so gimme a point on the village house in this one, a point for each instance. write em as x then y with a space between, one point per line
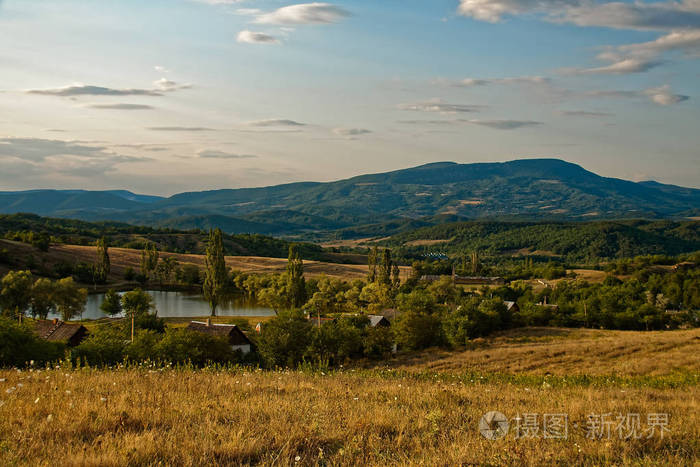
378 321
512 307
236 338
59 331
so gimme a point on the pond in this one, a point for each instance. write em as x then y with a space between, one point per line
183 305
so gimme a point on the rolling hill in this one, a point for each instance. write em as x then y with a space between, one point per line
532 189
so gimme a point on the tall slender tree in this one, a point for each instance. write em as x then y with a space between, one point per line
296 284
384 275
216 274
372 257
102 265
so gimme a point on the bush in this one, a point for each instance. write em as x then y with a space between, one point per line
106 346
378 342
19 346
284 339
183 345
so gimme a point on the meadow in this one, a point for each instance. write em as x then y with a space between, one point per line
146 415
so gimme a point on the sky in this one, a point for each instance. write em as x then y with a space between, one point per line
166 96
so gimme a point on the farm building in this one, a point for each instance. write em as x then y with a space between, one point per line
378 321
60 331
512 307
236 338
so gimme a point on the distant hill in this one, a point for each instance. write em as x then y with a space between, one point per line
577 242
532 189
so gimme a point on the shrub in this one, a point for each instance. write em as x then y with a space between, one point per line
19 346
106 346
284 339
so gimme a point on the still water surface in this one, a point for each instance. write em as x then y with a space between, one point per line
183 305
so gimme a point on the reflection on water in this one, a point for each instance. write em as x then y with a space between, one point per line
183 305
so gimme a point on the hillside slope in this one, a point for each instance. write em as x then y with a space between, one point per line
530 188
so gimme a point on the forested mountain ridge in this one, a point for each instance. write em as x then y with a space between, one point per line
526 189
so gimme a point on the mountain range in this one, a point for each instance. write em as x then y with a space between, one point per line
530 189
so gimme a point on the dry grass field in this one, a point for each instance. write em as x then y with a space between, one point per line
423 413
122 258
560 351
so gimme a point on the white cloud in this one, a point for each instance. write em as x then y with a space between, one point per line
585 113
623 66
251 37
167 85
121 106
679 20
351 131
275 122
214 154
503 124
440 106
88 90
527 80
305 13
662 95
619 15
39 157
180 128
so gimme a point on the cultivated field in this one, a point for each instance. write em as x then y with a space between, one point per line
150 416
560 351
122 258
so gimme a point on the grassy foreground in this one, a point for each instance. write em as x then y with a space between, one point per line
148 416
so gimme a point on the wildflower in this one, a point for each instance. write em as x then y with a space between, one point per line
49 418
67 392
37 400
297 458
103 399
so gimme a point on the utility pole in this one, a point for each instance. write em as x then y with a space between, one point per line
132 328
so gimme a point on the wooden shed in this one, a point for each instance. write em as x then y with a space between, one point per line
236 338
60 331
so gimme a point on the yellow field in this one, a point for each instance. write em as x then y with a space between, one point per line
563 352
150 416
122 258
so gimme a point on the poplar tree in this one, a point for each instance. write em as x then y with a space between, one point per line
102 265
372 257
296 284
216 274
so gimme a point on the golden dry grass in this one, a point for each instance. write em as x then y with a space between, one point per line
151 416
122 258
561 351
232 417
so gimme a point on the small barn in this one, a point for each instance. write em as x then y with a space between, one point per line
60 331
236 338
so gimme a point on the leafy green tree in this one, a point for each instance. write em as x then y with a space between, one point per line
216 273
112 303
69 298
165 269
188 274
149 260
295 278
43 298
378 342
284 339
16 293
